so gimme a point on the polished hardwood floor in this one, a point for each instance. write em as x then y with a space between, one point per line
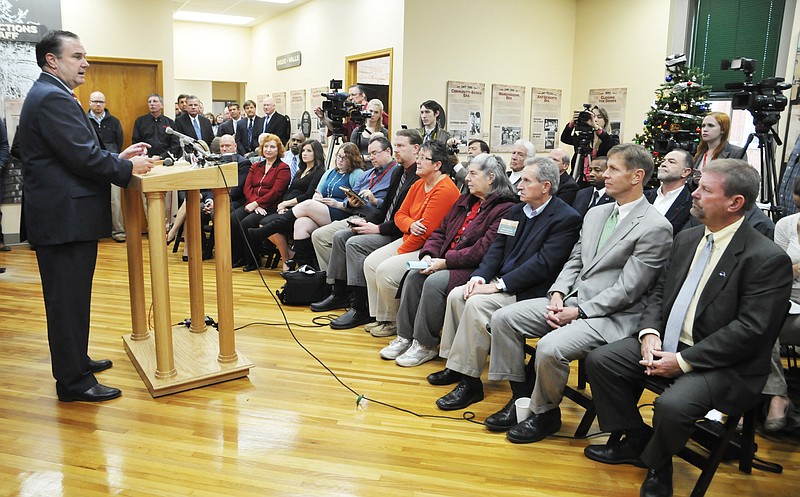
290 428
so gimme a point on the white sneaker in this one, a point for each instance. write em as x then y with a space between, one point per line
386 329
395 348
416 354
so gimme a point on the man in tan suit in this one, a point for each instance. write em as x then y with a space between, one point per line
595 299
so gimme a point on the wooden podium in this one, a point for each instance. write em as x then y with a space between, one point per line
178 359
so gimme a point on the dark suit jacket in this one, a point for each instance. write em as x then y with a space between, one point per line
243 145
755 217
678 213
66 172
183 124
584 196
226 128
547 247
278 125
567 188
739 312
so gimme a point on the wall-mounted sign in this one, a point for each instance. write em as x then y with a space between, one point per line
293 59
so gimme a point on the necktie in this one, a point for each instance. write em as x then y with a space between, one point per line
680 307
293 167
250 131
389 213
595 198
266 123
196 125
608 228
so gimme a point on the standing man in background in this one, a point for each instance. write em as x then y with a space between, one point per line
109 130
66 175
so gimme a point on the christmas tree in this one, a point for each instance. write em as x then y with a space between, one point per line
674 118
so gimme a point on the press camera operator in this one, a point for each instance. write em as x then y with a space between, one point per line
358 96
590 133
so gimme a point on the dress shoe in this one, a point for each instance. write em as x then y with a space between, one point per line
97 393
625 451
465 393
444 377
4 247
351 319
658 482
101 365
504 419
250 267
330 303
772 425
535 428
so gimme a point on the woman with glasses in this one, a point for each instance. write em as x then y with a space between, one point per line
600 141
326 205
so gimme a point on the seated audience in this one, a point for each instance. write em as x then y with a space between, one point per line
420 214
452 253
594 194
341 250
303 188
596 299
705 336
533 243
265 185
673 199
567 187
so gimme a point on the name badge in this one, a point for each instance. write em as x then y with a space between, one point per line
507 227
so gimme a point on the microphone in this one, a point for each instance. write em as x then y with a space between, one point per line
197 145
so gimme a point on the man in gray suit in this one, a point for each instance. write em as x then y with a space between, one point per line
595 299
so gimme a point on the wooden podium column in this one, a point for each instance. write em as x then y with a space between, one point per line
195 359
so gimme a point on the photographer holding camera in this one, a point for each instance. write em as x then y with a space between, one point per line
372 125
590 133
714 140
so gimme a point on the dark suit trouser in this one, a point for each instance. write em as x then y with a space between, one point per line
617 382
67 271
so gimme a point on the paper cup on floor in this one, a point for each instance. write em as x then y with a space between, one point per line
523 406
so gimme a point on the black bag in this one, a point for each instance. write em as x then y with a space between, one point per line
303 286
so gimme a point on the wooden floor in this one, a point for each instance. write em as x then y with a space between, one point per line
289 428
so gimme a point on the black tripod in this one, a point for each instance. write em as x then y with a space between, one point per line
767 140
336 137
582 154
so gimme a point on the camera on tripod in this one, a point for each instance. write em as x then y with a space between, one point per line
337 108
671 140
764 100
584 132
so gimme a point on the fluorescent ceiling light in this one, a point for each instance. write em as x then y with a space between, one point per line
183 15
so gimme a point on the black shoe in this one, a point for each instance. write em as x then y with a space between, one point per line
239 263
625 451
101 365
444 377
658 482
330 303
536 427
97 393
250 267
504 419
351 319
464 394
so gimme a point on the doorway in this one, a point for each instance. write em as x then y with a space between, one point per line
373 71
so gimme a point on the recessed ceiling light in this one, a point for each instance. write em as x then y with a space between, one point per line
183 15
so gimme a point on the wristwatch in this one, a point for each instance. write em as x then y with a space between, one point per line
581 314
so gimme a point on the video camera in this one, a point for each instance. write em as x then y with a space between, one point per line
584 132
764 100
337 108
671 140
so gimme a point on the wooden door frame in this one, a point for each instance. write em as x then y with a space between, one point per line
158 64
351 71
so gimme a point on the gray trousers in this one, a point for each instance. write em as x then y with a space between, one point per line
790 334
117 226
383 270
322 238
349 253
422 307
465 337
511 325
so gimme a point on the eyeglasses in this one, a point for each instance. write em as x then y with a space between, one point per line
340 157
97 101
422 157
374 153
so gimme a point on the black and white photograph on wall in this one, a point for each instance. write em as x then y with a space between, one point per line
509 135
475 122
